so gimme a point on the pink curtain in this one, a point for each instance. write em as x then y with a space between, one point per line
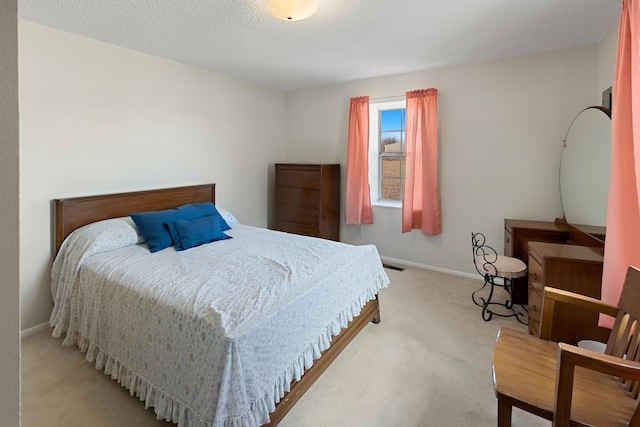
357 195
622 248
421 198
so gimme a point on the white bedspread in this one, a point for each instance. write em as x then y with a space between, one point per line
214 335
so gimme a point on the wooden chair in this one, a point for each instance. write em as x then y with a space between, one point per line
567 385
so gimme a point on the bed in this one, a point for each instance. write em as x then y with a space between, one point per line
235 342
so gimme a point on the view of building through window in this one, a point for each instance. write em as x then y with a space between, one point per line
392 144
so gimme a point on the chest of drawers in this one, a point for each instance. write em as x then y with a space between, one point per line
308 199
573 268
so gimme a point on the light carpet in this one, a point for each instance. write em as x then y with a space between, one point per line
428 363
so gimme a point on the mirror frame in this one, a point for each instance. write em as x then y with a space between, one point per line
596 231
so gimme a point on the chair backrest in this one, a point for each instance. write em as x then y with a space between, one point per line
624 340
484 256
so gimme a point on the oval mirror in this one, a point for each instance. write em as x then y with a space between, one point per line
585 164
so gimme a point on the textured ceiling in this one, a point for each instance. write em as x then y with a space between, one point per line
345 40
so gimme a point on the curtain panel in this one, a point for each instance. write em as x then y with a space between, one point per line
357 194
421 197
623 209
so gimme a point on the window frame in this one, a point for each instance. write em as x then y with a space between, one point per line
374 154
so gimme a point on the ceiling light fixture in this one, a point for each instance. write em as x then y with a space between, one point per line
291 10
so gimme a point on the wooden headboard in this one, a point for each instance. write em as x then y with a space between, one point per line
75 212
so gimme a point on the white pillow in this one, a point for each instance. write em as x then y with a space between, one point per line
228 217
104 236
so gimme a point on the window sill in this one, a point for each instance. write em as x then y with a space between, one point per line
387 204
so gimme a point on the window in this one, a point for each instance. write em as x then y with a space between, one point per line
386 152
391 142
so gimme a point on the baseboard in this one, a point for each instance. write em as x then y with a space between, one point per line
475 276
34 330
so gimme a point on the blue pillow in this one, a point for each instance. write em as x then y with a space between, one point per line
197 232
152 224
217 218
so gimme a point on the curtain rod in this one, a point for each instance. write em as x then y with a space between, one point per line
388 98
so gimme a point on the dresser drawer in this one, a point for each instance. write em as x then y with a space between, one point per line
297 228
298 178
535 311
297 213
297 196
535 275
534 294
534 326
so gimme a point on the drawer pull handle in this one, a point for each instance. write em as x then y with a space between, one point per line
533 308
508 240
535 276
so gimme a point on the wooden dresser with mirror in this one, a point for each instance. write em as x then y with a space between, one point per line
561 253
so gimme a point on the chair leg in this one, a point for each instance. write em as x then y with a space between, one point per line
484 303
487 313
504 414
473 295
509 304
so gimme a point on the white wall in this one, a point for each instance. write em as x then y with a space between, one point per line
9 225
607 49
501 125
97 118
